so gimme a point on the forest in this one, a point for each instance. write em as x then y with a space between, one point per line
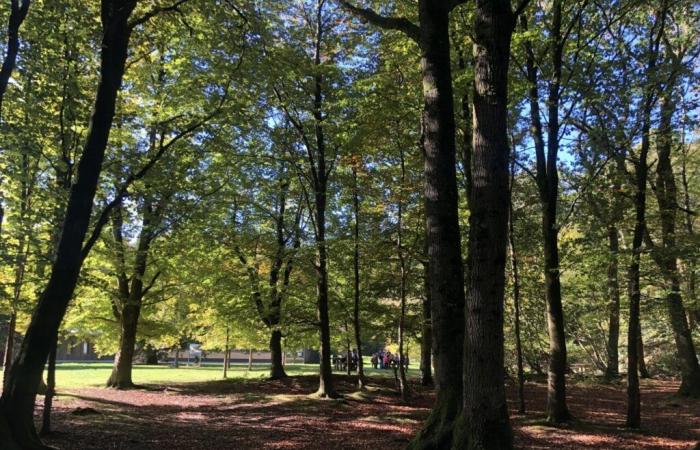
320 224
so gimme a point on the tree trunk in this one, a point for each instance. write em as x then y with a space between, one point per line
403 275
484 422
611 366
250 360
123 361
176 363
356 280
634 333
17 403
641 363
667 258
516 294
443 235
9 348
226 354
548 187
18 12
277 368
426 343
50 392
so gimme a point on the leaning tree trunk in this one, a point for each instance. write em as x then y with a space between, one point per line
484 421
17 402
123 361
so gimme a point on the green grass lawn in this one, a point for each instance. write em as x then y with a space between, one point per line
95 374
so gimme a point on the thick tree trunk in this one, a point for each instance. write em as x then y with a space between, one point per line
17 403
123 361
443 235
356 280
277 367
612 363
484 422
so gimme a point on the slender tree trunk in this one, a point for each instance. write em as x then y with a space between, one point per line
403 275
226 353
250 360
17 402
18 12
484 421
634 334
176 363
123 361
516 294
667 259
9 347
426 343
548 186
356 279
611 366
641 363
50 391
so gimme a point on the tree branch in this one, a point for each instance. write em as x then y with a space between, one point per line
368 15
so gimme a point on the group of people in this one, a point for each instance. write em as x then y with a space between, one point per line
387 360
340 362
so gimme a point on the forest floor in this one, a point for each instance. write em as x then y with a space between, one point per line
259 414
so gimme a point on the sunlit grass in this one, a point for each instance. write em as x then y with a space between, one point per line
95 374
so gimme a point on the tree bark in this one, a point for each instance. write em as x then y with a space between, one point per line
612 363
277 369
356 279
50 391
516 294
484 421
17 402
403 275
547 176
227 353
250 360
120 377
640 177
667 257
18 12
426 343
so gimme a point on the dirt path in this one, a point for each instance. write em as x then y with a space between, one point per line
280 415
